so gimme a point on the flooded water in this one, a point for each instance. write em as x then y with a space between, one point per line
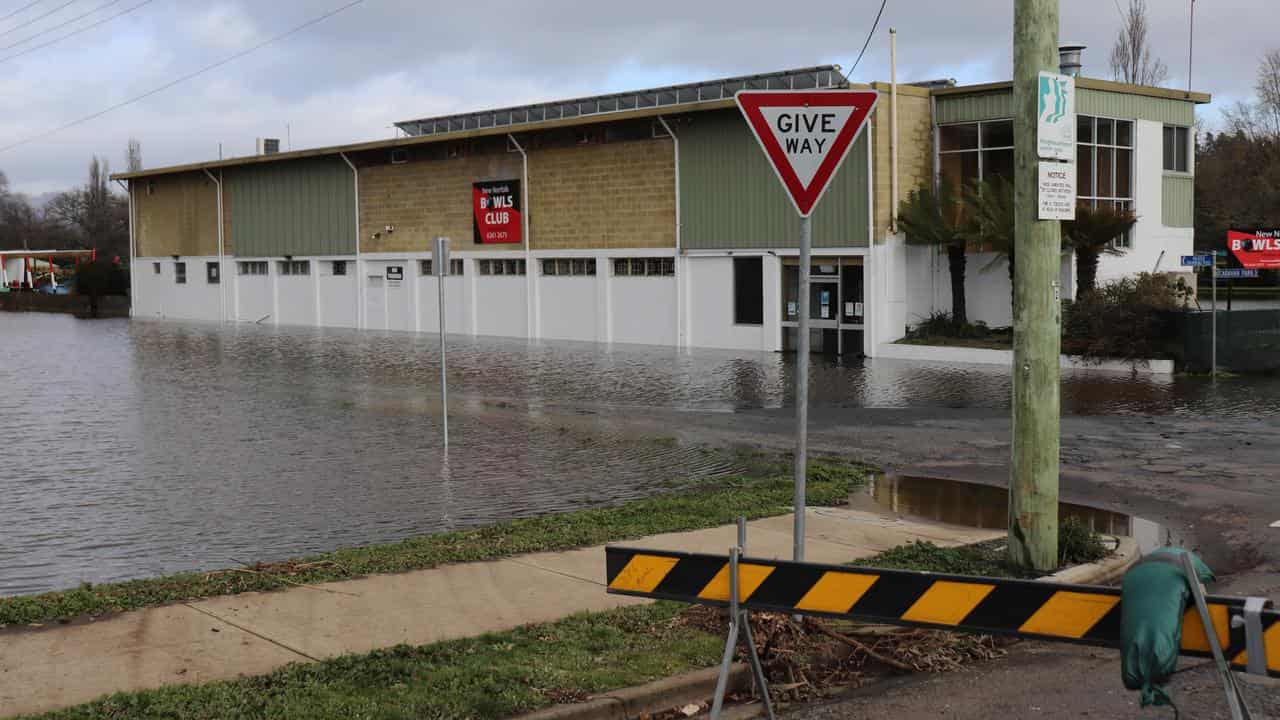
132 449
986 506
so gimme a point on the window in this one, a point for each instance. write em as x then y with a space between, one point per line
155 268
502 267
339 267
295 267
1177 145
399 156
455 267
180 273
644 267
212 273
748 291
252 267
567 267
1104 164
972 152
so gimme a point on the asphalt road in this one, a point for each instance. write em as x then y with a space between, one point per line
1212 484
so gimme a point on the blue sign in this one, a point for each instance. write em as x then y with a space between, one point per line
1236 274
1197 261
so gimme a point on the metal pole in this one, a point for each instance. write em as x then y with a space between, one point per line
1213 352
802 393
444 383
1191 44
1037 309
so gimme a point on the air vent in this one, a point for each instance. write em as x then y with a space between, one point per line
399 156
268 146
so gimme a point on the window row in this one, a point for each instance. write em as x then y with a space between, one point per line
644 267
569 266
426 267
502 267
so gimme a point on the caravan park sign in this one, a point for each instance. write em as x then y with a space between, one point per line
806 134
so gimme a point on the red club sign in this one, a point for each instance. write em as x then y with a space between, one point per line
1255 249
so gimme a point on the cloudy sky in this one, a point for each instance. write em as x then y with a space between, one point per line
349 77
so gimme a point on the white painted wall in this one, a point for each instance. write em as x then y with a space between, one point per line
457 304
889 297
501 306
160 296
255 296
710 305
1150 237
571 307
643 310
295 298
337 295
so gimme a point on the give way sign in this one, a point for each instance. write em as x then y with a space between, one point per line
806 134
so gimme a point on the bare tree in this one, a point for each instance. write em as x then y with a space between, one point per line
133 156
1131 60
1268 87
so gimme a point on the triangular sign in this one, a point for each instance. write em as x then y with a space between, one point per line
806 134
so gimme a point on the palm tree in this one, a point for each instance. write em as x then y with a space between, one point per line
990 207
937 219
1091 235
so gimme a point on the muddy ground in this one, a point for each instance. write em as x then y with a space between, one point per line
1214 485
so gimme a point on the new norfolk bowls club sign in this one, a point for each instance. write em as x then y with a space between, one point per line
1255 249
495 210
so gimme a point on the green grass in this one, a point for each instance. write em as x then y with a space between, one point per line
764 492
1077 544
493 676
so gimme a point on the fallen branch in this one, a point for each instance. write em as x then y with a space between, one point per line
878 657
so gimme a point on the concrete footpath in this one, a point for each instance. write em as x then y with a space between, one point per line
250 634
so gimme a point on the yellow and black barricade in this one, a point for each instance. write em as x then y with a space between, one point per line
1026 608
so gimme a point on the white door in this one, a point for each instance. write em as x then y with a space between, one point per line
375 301
399 316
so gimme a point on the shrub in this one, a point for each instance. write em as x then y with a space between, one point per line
1129 319
942 324
1078 543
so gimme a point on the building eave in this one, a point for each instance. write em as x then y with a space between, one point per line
1198 98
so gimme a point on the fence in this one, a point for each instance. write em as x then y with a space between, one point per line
1248 340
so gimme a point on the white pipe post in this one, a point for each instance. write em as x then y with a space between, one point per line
893 130
359 270
675 142
524 231
222 295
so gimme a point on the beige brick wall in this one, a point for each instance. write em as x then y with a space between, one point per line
915 149
178 217
611 195
424 199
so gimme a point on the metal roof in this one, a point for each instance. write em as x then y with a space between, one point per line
821 76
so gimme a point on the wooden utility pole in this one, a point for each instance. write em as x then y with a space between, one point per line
1037 306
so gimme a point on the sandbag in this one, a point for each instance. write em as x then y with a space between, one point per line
1154 598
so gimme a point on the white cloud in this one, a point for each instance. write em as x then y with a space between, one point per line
225 26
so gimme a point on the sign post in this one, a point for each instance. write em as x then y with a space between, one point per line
806 135
1213 352
440 268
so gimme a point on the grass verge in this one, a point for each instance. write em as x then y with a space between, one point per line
488 677
764 492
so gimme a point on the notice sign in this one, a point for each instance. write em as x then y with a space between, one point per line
1056 129
495 208
806 134
1057 191
1255 249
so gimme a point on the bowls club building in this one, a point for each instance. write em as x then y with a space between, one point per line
645 217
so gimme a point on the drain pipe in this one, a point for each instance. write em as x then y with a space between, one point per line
680 330
359 270
222 292
530 317
128 189
893 130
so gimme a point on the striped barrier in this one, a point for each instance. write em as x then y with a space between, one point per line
1025 608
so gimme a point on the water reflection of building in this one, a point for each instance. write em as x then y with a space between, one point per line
642 217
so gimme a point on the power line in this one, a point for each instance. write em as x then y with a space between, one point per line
73 33
29 5
871 34
184 78
48 30
38 18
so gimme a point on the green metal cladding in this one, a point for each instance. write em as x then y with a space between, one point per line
998 104
1177 201
730 197
300 207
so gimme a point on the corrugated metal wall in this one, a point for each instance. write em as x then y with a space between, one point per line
303 207
999 104
730 197
1178 201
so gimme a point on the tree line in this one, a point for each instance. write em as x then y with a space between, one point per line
92 215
